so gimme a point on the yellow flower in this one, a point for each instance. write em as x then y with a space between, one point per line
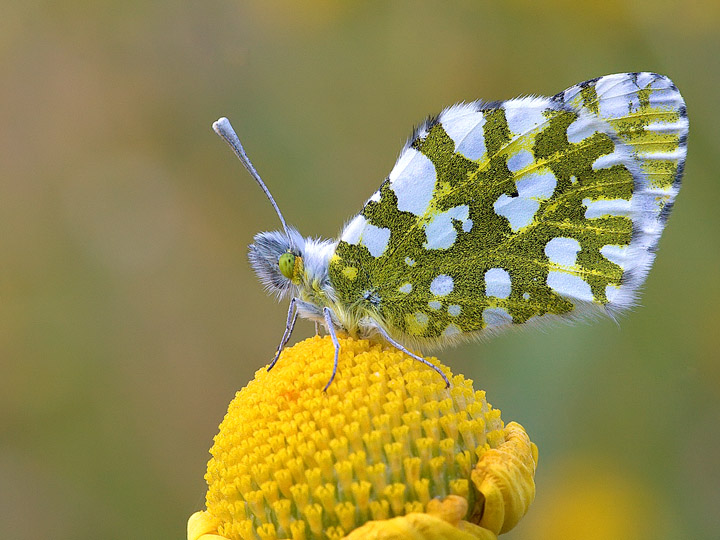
386 453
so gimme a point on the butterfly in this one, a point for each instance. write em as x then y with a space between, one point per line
495 215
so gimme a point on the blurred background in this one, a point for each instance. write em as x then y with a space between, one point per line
129 315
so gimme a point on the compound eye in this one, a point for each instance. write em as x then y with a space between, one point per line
286 262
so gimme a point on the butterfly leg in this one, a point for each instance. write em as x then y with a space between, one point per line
317 328
399 347
331 330
289 326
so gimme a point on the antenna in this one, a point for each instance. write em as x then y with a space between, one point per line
223 128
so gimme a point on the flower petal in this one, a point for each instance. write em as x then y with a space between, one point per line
505 477
202 526
419 526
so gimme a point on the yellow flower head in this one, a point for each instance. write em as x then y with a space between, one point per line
387 452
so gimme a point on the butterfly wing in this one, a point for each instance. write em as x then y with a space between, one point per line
648 113
500 214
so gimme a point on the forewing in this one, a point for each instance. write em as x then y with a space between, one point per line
500 214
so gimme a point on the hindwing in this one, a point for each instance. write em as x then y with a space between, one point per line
498 214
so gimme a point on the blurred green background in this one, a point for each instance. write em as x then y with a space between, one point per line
129 315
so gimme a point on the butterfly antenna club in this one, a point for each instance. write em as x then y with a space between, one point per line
223 128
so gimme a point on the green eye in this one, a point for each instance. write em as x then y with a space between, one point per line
286 262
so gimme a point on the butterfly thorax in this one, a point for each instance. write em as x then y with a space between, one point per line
311 280
315 291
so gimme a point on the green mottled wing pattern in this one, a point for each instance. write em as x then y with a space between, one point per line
505 213
647 113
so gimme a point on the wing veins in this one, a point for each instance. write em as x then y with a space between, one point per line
537 164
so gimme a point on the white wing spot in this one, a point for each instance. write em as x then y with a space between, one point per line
442 285
451 330
519 212
613 293
616 157
413 181
497 283
582 128
467 225
519 160
614 254
360 231
525 114
434 304
353 230
440 231
496 316
562 251
454 310
464 125
532 188
675 155
606 207
537 184
421 318
570 285
375 239
526 296
409 261
617 95
405 288
667 127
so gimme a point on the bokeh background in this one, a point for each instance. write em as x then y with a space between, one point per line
129 315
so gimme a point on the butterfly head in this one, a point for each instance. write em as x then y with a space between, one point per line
276 257
278 260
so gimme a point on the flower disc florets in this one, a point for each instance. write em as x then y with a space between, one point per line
387 440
